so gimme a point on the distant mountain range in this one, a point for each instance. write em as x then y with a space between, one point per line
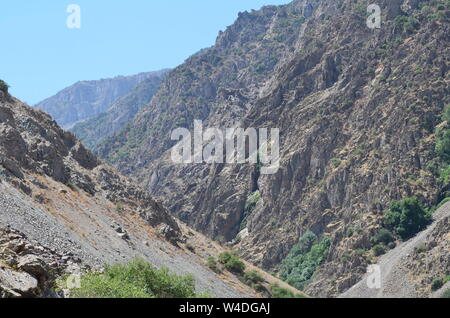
87 99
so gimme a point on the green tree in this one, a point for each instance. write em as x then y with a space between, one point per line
407 218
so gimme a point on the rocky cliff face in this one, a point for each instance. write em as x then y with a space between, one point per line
93 132
357 109
62 210
88 99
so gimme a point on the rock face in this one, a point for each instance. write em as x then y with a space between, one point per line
88 99
62 211
27 269
94 131
357 110
31 142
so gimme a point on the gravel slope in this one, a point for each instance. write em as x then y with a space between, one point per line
91 237
395 279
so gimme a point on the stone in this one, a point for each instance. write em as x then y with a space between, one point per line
17 284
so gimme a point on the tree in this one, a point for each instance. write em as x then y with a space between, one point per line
407 218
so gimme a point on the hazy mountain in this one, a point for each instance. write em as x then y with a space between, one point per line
88 99
94 131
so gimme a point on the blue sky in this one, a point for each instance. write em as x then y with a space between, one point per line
39 55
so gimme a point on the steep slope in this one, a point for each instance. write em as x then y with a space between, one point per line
88 99
357 109
61 207
94 131
410 268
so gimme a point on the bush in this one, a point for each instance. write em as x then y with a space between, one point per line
442 148
252 278
225 257
235 265
437 284
3 86
232 262
407 218
383 236
303 259
378 250
280 292
136 279
212 264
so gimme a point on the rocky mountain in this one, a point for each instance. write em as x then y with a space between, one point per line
361 113
88 99
63 211
94 131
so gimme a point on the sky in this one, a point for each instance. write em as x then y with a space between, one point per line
40 54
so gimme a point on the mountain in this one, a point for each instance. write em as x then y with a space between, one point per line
88 99
94 131
363 132
63 211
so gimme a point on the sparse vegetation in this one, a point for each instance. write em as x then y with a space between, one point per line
302 261
120 208
136 279
280 292
253 279
211 262
250 205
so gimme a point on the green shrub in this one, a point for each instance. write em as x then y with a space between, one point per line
378 250
252 278
3 86
407 218
383 236
442 148
408 24
232 262
225 257
120 208
212 264
437 284
302 261
136 279
280 292
235 265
